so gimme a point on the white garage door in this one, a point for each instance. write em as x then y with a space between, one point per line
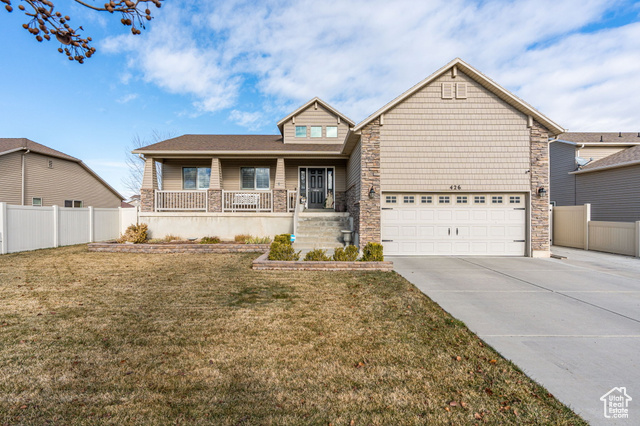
454 224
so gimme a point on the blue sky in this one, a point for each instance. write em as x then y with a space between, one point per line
239 66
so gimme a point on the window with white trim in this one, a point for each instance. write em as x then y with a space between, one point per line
462 199
75 204
255 177
409 199
36 201
479 199
301 131
426 199
332 131
496 199
391 199
444 199
196 177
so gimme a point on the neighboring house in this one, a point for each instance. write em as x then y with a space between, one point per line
455 165
32 174
602 169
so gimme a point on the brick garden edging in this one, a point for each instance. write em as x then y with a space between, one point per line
262 263
178 248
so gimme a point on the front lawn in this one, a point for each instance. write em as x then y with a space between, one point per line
201 338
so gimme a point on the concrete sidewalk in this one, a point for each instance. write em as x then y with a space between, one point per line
573 325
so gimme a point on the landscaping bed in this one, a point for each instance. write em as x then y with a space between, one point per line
263 263
126 338
178 247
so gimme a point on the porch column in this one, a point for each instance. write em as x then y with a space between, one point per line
215 186
368 223
149 185
280 189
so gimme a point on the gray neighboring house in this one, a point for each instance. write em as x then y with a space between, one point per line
32 174
602 169
456 165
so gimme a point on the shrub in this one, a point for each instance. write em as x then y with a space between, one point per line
242 238
136 234
209 240
259 240
350 254
317 255
171 237
282 238
372 252
280 251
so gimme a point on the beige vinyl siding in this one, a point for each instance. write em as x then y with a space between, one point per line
315 117
231 172
67 180
172 172
614 194
291 171
11 178
353 167
597 152
480 143
562 184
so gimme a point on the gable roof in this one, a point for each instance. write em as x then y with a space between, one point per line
308 104
9 145
221 144
485 81
600 138
626 157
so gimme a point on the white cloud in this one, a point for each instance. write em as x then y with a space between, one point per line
127 98
360 54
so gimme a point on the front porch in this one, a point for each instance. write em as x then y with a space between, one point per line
212 200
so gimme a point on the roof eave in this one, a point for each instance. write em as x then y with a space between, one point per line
307 105
248 153
611 166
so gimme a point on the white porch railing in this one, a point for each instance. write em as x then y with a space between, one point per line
292 196
181 201
247 201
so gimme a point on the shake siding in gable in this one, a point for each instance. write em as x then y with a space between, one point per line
614 194
67 180
315 117
561 163
429 143
11 178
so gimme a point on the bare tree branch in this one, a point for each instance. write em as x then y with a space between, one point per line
133 181
45 22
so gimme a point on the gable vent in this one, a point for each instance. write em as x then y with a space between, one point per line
461 90
447 90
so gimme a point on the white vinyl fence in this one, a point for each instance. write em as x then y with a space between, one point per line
573 227
30 228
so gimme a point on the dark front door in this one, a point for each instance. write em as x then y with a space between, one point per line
316 188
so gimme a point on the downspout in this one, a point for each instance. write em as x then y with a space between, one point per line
23 179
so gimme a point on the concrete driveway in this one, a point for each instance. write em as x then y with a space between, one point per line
573 325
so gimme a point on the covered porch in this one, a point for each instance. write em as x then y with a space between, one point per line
243 185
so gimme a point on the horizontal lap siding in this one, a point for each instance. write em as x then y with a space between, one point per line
479 143
315 117
172 172
231 172
597 152
561 163
67 180
353 167
614 194
11 178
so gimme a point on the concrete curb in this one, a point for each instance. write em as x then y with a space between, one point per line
262 263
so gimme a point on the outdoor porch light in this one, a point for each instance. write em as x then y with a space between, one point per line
541 191
372 192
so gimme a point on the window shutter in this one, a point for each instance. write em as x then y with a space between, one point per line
447 90
461 90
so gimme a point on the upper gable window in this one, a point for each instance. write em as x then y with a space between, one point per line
316 131
332 131
301 131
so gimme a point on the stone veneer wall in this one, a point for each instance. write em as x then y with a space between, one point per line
353 207
280 200
369 208
340 200
215 200
539 137
146 200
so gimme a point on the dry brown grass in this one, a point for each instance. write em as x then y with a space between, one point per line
203 339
